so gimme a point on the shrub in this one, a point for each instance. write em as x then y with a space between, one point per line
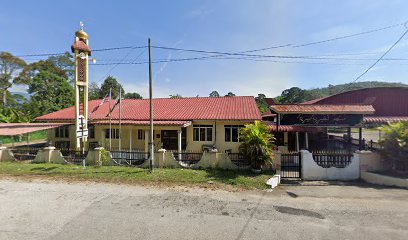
395 144
257 143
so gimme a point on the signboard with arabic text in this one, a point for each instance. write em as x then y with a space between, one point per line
321 120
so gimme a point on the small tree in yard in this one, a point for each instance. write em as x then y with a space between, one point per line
395 144
257 143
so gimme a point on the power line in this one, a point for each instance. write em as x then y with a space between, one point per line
351 35
248 51
382 56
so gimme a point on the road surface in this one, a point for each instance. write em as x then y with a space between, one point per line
40 209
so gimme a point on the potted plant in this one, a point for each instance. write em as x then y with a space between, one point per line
257 143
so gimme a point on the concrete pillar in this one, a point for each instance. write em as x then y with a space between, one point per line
48 152
285 138
146 142
130 139
306 140
360 138
179 132
297 142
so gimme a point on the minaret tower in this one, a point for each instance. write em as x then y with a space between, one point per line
81 52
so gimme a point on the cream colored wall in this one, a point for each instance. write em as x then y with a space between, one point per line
71 138
218 140
192 146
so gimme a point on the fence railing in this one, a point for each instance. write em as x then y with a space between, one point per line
129 158
25 154
332 159
73 156
239 159
366 145
188 158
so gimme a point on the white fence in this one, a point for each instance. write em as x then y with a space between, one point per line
312 171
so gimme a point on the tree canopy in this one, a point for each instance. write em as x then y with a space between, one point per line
49 93
9 68
133 96
214 94
111 83
230 94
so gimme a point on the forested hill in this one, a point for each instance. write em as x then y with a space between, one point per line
298 95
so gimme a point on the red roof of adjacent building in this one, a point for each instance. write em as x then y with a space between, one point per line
323 109
275 128
166 109
143 123
387 101
12 129
384 119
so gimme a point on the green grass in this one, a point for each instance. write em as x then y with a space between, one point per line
129 175
39 135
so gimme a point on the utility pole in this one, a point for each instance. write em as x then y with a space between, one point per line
151 110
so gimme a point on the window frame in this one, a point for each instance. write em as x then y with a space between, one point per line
203 133
230 129
62 132
141 134
114 132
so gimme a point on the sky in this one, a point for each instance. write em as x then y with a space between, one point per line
36 27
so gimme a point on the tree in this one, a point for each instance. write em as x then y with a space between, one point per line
133 96
395 145
214 94
11 115
49 93
94 91
61 65
292 95
230 94
260 101
175 96
257 142
111 83
9 66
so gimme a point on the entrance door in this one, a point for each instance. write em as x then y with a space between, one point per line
291 165
169 139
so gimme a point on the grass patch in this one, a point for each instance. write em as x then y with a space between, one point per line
129 175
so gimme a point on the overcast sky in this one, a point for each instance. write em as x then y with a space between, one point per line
30 27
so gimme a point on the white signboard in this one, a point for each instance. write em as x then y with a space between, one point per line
82 134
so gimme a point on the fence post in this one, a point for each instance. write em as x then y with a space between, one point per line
48 153
5 155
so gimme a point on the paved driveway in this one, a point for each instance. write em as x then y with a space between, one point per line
58 210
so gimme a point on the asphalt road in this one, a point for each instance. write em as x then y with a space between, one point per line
58 210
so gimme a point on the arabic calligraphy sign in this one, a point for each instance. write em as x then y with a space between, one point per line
321 120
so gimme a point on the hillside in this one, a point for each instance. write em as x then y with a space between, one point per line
297 95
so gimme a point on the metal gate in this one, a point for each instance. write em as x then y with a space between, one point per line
291 165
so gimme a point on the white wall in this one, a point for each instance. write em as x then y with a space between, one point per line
312 171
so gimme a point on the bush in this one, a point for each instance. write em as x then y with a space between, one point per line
257 143
395 144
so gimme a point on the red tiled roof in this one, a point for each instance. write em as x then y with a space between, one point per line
80 46
276 128
12 129
166 109
323 109
387 101
144 123
384 119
